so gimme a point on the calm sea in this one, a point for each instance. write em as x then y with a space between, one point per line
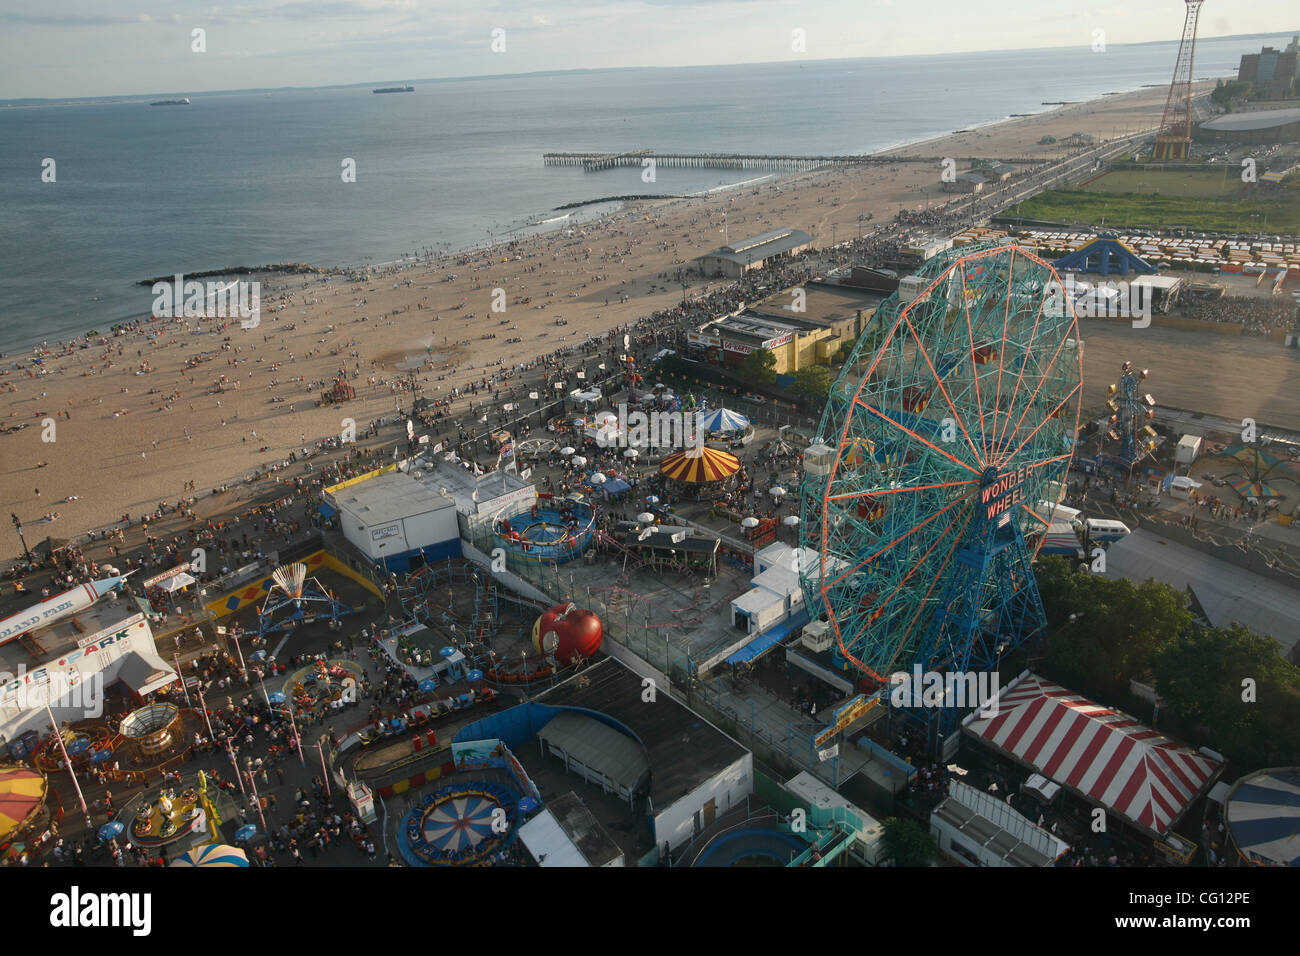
248 179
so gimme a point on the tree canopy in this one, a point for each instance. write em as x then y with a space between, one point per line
758 368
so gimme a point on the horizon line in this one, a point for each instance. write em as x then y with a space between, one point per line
121 97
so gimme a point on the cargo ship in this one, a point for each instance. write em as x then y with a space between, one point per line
395 89
183 101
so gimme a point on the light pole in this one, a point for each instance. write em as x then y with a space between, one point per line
239 776
76 784
324 769
18 526
257 801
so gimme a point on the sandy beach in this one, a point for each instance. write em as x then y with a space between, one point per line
134 425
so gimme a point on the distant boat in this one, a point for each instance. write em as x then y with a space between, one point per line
183 101
395 89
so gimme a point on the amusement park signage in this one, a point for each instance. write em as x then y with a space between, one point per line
1004 491
159 578
392 531
847 714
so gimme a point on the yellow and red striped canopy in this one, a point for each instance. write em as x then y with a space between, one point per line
698 467
21 793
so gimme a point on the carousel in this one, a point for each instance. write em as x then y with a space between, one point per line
22 802
323 682
166 817
153 736
700 474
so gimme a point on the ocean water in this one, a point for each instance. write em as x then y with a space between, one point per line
250 179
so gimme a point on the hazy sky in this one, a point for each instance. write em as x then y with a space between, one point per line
62 48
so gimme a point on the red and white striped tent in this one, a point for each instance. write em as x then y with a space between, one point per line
1103 755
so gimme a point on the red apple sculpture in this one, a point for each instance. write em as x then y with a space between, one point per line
568 633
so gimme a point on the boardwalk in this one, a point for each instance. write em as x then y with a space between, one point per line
595 162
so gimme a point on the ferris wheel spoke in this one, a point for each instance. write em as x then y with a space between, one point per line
936 578
875 554
944 392
1041 380
1033 335
1046 418
907 431
1002 348
975 375
881 492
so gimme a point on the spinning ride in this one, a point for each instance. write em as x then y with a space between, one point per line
460 825
553 529
295 599
945 431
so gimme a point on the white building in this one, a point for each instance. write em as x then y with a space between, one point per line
83 657
396 520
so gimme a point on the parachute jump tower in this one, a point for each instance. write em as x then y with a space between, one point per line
1174 141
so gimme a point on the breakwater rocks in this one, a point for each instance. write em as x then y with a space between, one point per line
289 268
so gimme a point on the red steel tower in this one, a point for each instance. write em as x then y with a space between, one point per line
1174 141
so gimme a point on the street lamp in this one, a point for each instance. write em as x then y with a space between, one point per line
18 525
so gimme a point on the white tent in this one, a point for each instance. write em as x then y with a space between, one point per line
174 584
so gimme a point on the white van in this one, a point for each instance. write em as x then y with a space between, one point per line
1101 530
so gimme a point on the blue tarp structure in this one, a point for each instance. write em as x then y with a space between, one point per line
769 638
1103 256
615 486
327 510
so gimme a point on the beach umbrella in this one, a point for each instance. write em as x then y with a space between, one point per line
277 697
750 522
99 756
578 461
111 830
652 499
474 675
776 491
427 685
631 453
790 521
79 746
246 832
645 517
257 656
567 450
22 792
212 854
597 478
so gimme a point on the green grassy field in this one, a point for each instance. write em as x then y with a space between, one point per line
1201 200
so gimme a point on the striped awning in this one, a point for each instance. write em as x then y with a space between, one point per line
1101 754
21 794
697 467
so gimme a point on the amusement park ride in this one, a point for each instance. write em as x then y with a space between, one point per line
295 599
1132 414
944 434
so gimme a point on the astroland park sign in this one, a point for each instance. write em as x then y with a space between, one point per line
76 660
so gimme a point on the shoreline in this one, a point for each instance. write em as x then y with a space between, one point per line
12 349
143 414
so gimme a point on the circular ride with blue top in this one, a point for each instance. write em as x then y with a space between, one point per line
461 825
553 529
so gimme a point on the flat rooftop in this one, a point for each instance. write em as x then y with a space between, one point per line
825 304
389 497
1225 591
684 749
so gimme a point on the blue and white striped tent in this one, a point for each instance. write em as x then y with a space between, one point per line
1263 813
723 420
212 854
